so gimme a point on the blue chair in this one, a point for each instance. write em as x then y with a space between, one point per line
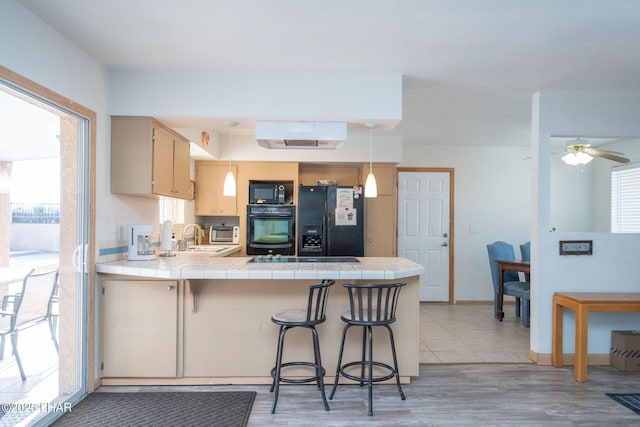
525 252
512 284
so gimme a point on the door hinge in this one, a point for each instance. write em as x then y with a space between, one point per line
102 366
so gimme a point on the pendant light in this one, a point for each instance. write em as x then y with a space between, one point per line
229 188
370 186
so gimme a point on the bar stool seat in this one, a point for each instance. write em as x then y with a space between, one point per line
370 305
308 318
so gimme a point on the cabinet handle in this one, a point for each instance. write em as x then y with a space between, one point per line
170 288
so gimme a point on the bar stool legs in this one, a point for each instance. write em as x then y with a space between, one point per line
276 372
370 305
309 317
367 364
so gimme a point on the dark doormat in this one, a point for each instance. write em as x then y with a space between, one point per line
219 409
630 400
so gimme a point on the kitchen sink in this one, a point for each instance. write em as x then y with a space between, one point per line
207 248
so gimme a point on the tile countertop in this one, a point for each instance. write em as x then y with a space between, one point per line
213 266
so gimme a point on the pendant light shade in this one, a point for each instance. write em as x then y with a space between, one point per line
370 185
229 188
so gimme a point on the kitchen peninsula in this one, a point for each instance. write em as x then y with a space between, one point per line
201 319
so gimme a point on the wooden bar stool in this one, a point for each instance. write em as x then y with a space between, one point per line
308 317
370 305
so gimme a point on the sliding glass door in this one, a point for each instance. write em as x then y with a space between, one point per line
46 222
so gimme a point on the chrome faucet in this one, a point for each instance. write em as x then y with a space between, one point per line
196 229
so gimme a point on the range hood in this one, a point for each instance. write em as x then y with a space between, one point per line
301 135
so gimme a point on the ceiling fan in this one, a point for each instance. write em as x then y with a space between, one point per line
580 153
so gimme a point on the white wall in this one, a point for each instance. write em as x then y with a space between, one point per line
613 265
350 97
492 202
31 48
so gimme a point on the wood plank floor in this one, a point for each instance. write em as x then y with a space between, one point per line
474 372
453 395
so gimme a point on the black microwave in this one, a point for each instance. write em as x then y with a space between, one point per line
267 193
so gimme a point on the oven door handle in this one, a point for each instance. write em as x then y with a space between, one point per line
271 216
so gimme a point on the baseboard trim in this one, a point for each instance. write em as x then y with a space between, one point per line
569 359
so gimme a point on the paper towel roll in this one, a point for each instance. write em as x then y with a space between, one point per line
165 243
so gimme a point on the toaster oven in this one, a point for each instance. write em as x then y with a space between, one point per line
222 234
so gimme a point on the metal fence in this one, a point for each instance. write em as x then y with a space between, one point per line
35 213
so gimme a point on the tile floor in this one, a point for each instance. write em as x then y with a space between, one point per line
468 333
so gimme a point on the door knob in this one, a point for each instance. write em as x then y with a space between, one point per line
445 235
170 288
444 244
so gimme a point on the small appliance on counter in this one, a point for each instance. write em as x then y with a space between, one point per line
224 235
139 245
168 243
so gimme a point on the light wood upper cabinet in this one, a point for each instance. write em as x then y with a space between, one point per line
381 226
148 159
209 190
139 328
385 174
382 213
310 174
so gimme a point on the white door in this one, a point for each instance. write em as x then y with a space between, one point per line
423 229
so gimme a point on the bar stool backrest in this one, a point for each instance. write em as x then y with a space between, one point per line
373 303
318 295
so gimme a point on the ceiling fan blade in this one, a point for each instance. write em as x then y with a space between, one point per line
605 151
610 155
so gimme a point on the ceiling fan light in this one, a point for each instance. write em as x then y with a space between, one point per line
577 158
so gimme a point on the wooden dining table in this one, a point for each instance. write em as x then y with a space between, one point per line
512 265
583 303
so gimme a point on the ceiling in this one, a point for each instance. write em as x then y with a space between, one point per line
469 66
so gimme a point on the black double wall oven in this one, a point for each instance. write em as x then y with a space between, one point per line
271 229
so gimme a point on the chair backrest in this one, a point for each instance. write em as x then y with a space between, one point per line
373 303
525 252
318 295
37 289
501 251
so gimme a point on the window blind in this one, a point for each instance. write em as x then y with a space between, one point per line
625 199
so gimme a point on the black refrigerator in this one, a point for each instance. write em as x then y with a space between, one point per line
330 221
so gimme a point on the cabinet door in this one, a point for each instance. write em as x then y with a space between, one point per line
210 184
162 162
139 328
181 167
206 185
385 178
381 226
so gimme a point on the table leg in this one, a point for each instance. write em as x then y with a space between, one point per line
500 315
556 335
582 334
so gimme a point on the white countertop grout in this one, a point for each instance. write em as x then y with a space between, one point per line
212 266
